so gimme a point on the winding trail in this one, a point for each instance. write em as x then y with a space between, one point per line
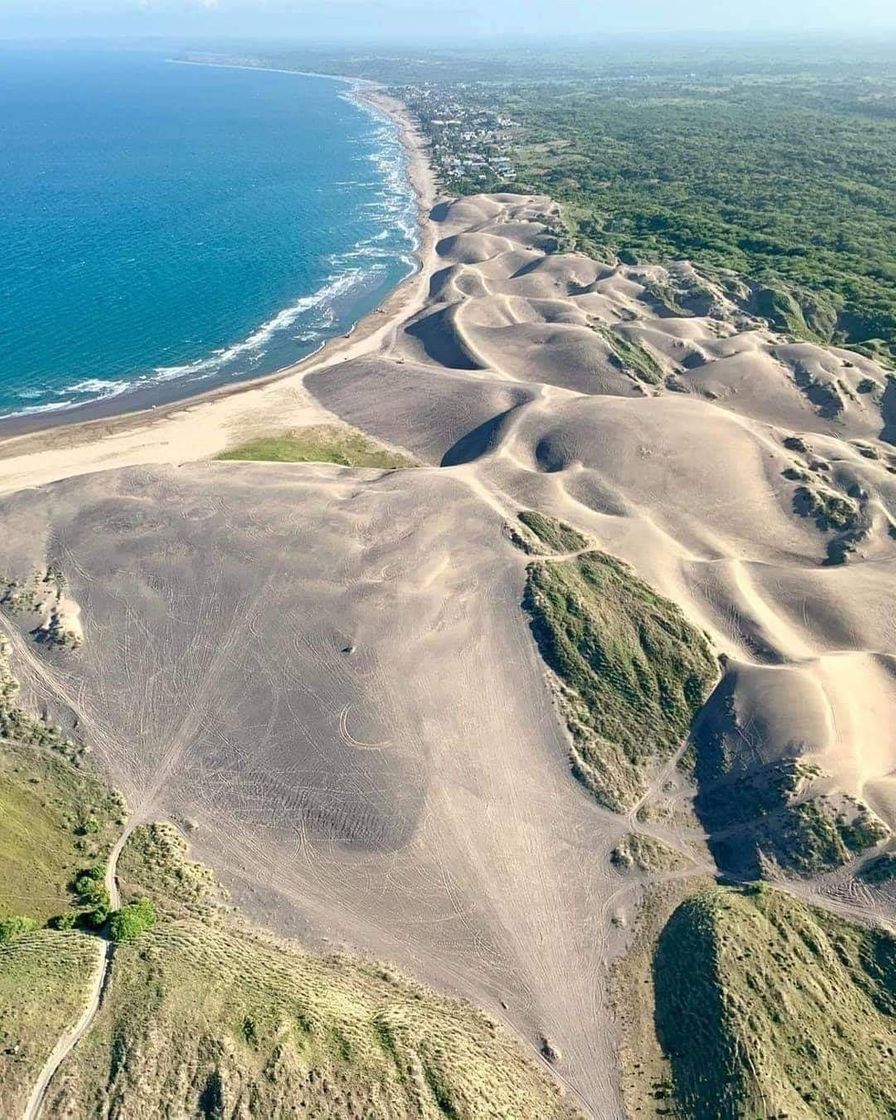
70 1039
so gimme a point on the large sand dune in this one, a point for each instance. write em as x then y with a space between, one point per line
327 671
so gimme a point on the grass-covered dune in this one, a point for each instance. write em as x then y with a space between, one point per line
320 443
632 671
216 1022
768 1008
203 1016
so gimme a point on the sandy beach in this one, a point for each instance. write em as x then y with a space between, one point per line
38 449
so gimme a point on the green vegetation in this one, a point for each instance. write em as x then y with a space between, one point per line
44 979
632 357
781 179
639 852
128 923
770 813
204 1014
20 726
765 1007
556 535
880 870
11 928
770 162
55 819
632 671
324 443
831 512
204 1018
154 865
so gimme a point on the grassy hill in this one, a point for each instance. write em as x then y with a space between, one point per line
204 1016
632 671
766 1007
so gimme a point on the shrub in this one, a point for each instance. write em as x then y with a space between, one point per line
65 921
15 926
130 921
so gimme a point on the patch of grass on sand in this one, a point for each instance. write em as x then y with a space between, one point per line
632 357
555 535
154 865
202 1017
766 1007
880 870
54 821
639 852
323 443
44 978
632 671
774 814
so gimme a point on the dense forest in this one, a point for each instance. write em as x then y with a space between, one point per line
788 182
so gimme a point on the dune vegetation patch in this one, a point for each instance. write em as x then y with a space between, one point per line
550 534
639 852
212 1018
766 1007
761 816
57 820
632 357
632 672
322 443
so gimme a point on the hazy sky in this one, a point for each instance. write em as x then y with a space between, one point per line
453 20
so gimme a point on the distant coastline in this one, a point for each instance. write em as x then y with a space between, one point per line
159 396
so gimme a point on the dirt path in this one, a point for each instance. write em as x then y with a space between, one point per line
70 1039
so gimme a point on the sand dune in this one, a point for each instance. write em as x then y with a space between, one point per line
328 669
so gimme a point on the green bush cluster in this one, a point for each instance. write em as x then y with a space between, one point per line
130 921
15 926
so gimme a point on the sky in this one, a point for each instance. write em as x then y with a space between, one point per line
446 20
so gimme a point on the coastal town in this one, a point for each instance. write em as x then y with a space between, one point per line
470 145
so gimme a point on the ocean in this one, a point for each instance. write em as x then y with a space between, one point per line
177 225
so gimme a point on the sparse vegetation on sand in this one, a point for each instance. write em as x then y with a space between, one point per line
556 536
211 1018
632 671
44 979
19 726
322 443
632 357
770 814
766 1007
638 852
880 870
154 865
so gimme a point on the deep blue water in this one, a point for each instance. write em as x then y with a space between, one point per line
166 222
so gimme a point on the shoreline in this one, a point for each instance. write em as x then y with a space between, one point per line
153 403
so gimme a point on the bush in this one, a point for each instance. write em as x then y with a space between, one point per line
15 926
65 921
130 921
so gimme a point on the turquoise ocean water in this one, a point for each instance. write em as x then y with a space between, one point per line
180 226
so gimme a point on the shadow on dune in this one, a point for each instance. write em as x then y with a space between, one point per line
437 335
888 413
478 442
